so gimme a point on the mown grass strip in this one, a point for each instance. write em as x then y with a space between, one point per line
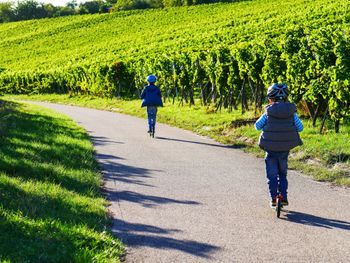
325 157
51 207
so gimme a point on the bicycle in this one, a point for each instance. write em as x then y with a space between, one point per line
279 199
151 115
151 132
152 127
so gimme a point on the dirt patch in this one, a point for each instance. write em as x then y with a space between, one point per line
343 167
206 128
299 156
314 162
239 123
246 140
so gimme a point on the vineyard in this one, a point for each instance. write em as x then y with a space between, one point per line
222 54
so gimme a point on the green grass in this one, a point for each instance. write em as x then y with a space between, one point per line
51 207
325 157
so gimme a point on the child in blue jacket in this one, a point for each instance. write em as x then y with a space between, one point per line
280 127
151 98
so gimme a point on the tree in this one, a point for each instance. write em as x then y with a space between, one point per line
130 4
65 11
170 3
72 4
29 9
91 7
50 10
6 12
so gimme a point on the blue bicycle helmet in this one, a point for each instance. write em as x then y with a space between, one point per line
151 79
277 91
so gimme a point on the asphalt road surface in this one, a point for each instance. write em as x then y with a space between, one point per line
184 198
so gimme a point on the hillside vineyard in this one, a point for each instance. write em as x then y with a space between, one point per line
226 54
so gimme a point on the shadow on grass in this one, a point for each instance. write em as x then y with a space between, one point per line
316 221
38 205
141 235
44 171
26 240
234 146
23 241
33 146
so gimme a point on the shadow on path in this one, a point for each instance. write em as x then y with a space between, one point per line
101 156
139 235
100 140
145 200
311 220
123 226
234 146
117 172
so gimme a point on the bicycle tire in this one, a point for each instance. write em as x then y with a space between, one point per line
278 207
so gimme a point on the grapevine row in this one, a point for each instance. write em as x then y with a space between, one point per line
316 66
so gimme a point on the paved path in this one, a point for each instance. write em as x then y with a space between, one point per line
184 198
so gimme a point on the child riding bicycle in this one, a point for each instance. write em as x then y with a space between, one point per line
151 98
280 127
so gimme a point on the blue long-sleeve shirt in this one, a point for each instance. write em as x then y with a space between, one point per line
261 122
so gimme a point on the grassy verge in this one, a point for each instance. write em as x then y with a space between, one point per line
51 208
325 157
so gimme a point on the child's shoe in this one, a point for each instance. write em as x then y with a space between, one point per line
284 201
273 203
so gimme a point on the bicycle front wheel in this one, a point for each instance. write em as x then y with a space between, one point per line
278 207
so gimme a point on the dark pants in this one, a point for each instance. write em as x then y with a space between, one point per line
152 117
276 172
